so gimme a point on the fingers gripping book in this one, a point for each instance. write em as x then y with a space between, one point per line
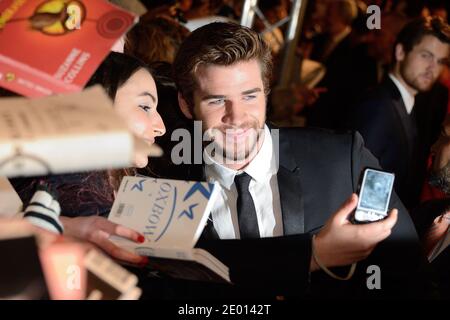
171 214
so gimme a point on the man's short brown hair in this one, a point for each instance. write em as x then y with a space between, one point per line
413 32
222 44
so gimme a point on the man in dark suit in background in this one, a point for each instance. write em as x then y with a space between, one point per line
343 63
386 116
269 207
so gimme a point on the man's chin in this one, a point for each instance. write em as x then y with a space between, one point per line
232 156
424 86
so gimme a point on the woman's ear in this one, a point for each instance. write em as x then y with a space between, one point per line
184 107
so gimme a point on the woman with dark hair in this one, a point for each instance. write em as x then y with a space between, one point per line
85 198
174 119
130 84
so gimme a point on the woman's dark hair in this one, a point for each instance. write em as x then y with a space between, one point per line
115 70
89 193
173 118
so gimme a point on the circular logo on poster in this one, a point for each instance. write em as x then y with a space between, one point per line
113 24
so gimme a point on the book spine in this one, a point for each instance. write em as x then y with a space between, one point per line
172 253
65 154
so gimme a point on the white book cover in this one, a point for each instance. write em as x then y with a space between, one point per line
62 133
171 214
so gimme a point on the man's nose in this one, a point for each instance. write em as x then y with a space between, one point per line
234 113
433 65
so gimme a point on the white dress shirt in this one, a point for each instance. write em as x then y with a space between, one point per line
263 189
408 98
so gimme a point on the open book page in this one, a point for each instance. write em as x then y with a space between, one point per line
64 133
208 260
183 263
171 214
201 267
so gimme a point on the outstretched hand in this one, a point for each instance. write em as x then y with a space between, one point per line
97 231
342 243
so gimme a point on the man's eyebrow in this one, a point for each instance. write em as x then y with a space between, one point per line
429 52
444 60
213 96
148 94
254 90
220 96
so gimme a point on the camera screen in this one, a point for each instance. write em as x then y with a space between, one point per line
376 190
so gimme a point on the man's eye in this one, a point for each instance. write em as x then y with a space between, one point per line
248 98
426 55
217 102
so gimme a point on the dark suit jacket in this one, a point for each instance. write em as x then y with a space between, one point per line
330 108
393 137
318 171
349 71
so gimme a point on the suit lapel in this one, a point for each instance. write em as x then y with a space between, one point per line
290 190
408 128
406 123
291 200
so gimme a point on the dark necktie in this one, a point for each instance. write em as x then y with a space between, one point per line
248 222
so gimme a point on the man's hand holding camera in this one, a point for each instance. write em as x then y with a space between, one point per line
342 243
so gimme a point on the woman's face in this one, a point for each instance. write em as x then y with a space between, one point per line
136 102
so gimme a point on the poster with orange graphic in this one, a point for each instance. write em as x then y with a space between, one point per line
54 46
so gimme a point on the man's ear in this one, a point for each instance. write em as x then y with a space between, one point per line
184 107
399 52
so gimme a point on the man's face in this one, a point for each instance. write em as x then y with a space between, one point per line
230 102
421 67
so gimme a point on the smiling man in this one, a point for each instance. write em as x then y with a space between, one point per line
386 116
279 187
238 134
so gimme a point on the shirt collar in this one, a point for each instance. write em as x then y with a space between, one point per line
408 98
262 165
